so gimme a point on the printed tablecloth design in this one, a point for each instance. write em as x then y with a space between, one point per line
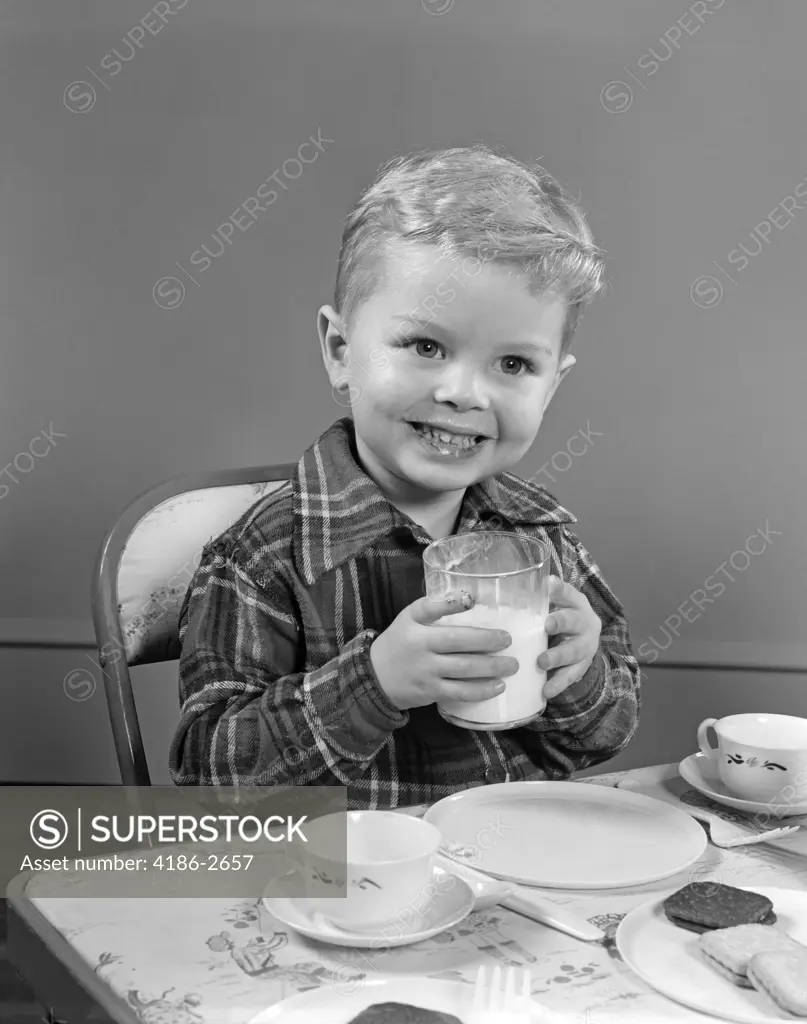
214 961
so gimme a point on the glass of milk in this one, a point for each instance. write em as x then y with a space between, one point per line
507 574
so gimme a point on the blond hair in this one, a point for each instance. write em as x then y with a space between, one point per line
471 201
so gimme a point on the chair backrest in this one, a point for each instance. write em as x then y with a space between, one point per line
142 572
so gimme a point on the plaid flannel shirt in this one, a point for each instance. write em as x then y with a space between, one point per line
276 682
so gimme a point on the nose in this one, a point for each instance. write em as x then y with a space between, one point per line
461 388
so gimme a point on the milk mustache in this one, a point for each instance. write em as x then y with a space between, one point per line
524 696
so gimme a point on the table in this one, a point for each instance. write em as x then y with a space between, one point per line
214 961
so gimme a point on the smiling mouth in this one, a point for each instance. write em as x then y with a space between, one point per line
447 443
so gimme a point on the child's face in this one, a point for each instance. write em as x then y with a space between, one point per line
469 349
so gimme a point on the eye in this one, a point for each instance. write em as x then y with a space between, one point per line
519 361
423 346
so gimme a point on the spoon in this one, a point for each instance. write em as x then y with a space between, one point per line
492 892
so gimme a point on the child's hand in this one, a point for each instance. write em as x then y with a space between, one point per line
418 663
580 627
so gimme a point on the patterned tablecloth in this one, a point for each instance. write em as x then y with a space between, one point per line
213 961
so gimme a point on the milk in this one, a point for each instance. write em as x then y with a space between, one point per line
524 696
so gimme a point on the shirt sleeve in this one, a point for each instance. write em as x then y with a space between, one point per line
596 717
247 717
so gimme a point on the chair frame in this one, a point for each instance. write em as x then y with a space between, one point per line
108 633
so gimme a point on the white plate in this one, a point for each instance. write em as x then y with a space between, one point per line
562 835
444 910
324 1006
668 959
701 774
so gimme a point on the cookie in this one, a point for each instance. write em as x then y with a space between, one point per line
402 1013
702 906
702 928
729 950
782 977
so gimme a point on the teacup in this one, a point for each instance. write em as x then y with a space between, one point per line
363 868
760 757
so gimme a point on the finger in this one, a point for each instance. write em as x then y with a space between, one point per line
569 620
470 693
427 610
564 595
568 653
476 666
469 638
563 679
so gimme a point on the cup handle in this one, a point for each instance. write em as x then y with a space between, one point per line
703 741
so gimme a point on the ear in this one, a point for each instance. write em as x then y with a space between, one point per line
565 365
333 343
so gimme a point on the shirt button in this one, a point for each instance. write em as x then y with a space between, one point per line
493 775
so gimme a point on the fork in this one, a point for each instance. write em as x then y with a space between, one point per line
726 835
723 833
502 1000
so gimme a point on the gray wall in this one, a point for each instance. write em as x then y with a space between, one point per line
697 405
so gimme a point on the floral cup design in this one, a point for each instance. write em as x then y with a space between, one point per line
362 868
759 757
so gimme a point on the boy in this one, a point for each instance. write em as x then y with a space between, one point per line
309 653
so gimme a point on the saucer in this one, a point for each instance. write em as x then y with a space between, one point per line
440 912
699 772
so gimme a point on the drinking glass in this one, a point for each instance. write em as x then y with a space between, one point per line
507 574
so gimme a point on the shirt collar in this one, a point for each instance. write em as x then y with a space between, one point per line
339 511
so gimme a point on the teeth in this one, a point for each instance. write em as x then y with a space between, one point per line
446 442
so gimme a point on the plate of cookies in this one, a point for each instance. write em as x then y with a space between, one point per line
736 953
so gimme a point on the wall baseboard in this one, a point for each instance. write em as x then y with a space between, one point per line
731 655
724 655
47 633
